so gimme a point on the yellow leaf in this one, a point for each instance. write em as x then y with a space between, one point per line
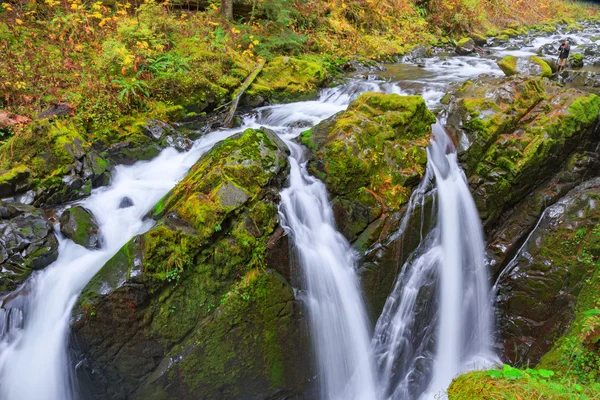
236 31
18 21
255 42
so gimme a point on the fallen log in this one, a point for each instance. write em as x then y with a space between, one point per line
240 92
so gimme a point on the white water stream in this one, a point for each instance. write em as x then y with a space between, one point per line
437 321
34 363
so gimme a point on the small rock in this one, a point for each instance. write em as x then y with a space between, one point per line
126 202
57 110
548 49
465 47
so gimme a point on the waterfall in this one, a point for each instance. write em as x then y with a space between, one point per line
442 287
336 310
437 322
34 363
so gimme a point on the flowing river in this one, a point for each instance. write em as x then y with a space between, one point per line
417 346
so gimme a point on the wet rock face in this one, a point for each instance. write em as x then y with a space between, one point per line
505 239
538 291
27 243
514 133
79 225
190 309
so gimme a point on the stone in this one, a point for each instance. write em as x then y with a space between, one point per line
126 202
60 109
538 291
465 47
78 224
27 243
532 65
513 133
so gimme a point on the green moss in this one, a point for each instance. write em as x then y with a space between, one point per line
463 41
480 385
373 152
14 173
546 71
202 267
508 65
286 79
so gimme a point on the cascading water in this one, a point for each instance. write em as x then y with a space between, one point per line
437 321
331 294
337 314
34 363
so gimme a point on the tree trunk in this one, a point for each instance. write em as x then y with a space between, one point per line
227 9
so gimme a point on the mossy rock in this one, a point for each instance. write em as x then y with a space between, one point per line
465 46
27 243
514 132
532 65
576 61
371 155
516 384
54 160
79 225
287 79
508 65
190 304
545 69
538 292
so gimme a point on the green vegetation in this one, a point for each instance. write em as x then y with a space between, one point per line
511 383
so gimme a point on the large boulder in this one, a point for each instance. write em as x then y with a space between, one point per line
538 292
584 80
78 224
532 65
27 243
189 309
513 133
371 157
287 79
54 161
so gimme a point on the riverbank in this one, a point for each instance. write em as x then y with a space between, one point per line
117 65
